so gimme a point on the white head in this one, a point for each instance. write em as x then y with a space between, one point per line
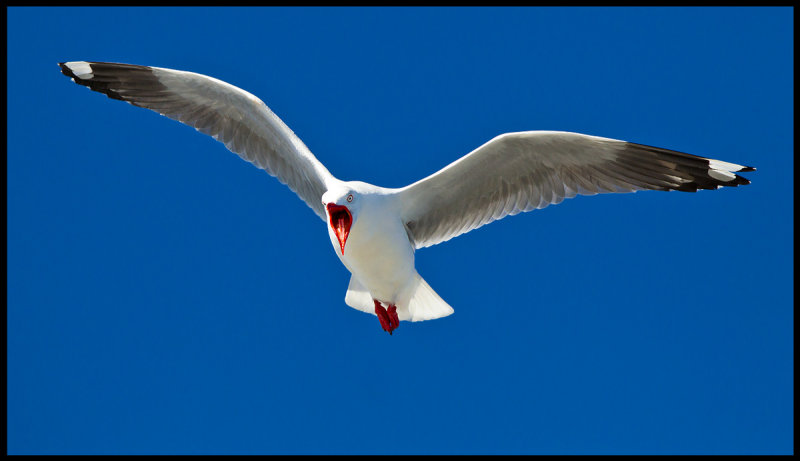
342 204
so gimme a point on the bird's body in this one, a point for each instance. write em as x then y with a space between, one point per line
374 230
379 254
375 237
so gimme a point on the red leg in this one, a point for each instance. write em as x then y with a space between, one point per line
394 321
383 317
389 319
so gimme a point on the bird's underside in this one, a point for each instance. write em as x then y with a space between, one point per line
512 173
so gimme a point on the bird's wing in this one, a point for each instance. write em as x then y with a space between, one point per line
523 171
231 115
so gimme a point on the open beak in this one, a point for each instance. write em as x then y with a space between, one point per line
341 220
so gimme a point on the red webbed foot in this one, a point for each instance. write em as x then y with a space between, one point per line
391 312
389 320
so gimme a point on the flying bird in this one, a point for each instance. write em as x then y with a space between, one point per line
375 230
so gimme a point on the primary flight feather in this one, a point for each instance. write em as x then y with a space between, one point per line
375 230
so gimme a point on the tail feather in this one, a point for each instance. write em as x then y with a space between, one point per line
424 303
358 297
417 301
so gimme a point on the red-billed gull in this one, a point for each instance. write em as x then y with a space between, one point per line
375 230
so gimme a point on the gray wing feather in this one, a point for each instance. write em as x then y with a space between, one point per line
518 172
229 114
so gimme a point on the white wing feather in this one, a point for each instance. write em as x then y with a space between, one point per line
231 115
517 172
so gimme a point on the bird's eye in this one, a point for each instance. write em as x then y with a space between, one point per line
350 198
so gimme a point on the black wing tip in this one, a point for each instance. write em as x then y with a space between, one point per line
712 184
698 169
66 70
101 70
739 180
111 77
88 82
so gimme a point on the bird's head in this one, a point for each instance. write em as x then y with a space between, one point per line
342 208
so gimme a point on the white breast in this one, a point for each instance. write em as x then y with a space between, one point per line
378 252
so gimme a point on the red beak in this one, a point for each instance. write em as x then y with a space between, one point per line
340 220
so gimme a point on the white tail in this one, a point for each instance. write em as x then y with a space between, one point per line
417 301
358 297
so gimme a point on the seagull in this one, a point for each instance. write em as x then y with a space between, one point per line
376 230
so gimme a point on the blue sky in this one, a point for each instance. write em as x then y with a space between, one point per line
165 296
